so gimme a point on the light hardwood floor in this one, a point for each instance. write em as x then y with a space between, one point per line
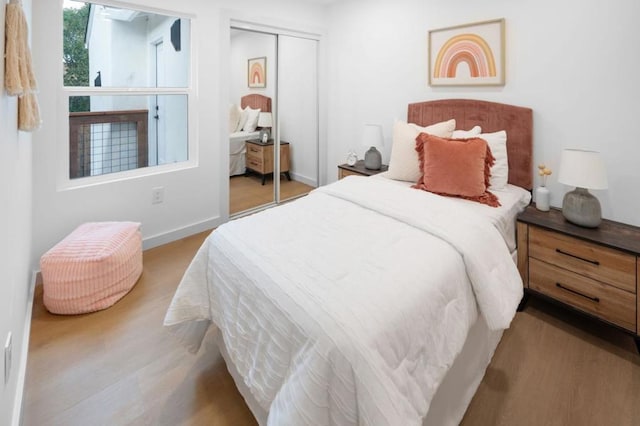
120 367
247 192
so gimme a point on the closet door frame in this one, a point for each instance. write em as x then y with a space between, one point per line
249 25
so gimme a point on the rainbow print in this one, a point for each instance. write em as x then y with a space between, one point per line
256 73
471 49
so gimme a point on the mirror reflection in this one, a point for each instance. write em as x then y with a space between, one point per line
269 70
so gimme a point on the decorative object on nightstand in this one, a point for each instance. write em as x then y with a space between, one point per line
584 170
352 158
265 122
372 137
542 193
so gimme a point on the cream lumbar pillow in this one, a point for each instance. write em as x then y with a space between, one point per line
465 134
500 170
404 163
252 120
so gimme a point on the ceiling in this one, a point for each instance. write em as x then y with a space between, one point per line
321 1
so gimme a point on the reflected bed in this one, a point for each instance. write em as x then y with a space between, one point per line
237 147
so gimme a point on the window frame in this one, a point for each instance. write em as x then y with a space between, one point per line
64 180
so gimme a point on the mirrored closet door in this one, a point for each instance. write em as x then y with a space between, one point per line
252 92
298 114
274 151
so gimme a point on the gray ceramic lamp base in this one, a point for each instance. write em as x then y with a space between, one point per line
582 208
373 159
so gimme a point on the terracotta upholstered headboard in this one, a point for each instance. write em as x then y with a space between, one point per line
254 101
492 117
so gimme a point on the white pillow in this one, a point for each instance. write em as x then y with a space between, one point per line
404 163
500 170
252 120
244 114
464 134
234 118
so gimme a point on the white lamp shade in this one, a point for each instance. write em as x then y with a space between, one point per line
372 136
265 119
582 169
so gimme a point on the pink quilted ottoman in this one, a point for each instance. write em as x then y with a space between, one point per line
92 268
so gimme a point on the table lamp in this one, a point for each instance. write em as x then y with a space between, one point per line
265 122
584 170
372 137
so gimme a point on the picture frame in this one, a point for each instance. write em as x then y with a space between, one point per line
468 55
257 72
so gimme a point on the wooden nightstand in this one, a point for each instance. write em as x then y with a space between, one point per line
358 169
594 271
259 158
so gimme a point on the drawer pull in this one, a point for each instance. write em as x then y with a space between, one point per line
593 262
570 290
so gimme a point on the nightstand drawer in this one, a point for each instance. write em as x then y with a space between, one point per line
254 150
585 258
359 169
254 163
605 301
257 156
344 173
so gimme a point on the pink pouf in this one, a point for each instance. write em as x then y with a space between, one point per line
92 268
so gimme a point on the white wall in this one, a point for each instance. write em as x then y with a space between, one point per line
573 62
15 241
195 198
128 57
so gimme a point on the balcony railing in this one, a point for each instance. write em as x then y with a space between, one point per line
107 142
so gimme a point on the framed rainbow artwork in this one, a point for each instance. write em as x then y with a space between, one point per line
257 72
467 55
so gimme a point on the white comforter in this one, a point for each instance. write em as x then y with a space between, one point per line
349 305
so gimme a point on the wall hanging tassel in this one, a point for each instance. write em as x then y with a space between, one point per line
19 78
28 112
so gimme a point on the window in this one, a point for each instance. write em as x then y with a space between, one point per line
126 75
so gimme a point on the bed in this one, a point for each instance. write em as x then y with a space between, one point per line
237 148
353 305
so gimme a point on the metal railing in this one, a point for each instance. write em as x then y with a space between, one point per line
107 142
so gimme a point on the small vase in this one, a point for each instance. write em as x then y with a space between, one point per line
542 199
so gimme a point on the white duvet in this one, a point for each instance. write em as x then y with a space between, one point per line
349 305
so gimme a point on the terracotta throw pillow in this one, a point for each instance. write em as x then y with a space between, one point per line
456 168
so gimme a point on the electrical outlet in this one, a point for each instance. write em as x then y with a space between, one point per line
157 195
8 349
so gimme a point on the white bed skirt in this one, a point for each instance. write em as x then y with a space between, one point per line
452 398
237 164
237 151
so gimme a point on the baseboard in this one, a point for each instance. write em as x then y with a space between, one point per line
24 353
304 179
179 233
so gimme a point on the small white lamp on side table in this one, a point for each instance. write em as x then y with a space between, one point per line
585 170
372 137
